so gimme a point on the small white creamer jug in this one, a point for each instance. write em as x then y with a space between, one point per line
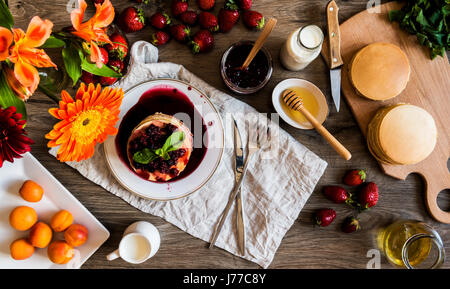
139 243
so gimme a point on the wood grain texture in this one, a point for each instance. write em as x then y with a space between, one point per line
428 87
304 245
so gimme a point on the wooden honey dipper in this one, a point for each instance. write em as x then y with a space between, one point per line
295 102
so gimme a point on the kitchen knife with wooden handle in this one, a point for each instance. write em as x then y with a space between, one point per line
335 59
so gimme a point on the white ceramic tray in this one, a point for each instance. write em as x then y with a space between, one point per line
56 197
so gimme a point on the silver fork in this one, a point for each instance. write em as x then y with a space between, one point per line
255 143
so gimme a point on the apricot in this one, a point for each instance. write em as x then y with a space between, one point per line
60 252
31 191
61 221
76 235
22 218
40 235
21 249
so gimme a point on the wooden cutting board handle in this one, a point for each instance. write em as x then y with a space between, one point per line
435 183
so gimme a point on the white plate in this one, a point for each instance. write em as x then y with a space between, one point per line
297 82
188 184
56 197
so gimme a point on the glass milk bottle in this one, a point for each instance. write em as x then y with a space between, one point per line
302 47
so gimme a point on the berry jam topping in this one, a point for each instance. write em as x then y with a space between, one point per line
255 73
153 137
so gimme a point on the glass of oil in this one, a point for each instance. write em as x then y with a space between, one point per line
411 244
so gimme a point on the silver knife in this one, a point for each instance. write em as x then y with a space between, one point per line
335 59
239 164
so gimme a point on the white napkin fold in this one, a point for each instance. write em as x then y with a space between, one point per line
277 185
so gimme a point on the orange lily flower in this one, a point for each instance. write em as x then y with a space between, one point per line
6 38
93 30
26 57
19 90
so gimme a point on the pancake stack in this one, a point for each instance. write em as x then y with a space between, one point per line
151 133
401 134
379 71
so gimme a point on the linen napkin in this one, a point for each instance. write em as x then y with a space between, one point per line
279 180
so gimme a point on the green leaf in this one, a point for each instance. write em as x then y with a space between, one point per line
72 62
173 142
94 69
396 15
8 98
144 156
6 18
427 19
53 42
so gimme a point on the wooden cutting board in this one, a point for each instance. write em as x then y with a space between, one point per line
428 87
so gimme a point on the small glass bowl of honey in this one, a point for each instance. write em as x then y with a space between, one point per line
313 100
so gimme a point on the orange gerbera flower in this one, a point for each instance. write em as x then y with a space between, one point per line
93 30
85 121
26 57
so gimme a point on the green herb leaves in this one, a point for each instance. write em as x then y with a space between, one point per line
428 20
145 156
172 143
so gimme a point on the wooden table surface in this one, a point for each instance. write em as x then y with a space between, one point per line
304 245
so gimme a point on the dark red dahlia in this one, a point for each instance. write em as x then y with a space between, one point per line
13 139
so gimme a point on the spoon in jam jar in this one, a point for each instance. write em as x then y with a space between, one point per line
259 42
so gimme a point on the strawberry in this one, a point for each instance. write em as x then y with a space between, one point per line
368 196
119 46
116 64
142 1
160 20
337 194
324 217
245 4
106 80
189 17
228 16
354 177
206 4
202 41
180 32
208 21
253 19
131 19
160 37
88 77
350 225
178 7
104 58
